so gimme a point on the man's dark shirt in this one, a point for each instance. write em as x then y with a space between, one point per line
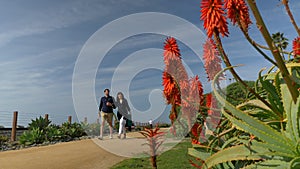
103 107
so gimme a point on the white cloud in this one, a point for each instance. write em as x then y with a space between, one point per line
55 16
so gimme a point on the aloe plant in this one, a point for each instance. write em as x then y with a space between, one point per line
269 139
153 137
33 136
72 130
3 139
54 133
40 123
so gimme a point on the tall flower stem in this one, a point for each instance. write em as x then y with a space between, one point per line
258 46
287 8
233 72
254 44
280 63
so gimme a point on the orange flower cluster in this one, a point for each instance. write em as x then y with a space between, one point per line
178 89
296 47
213 115
173 74
171 90
192 97
212 59
213 13
237 10
195 133
214 18
171 50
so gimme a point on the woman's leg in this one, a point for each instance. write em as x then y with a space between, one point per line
124 128
121 126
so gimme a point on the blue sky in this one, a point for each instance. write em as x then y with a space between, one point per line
40 43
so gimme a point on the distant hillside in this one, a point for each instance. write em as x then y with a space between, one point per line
236 93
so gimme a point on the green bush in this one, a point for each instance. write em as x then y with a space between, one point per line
37 132
92 129
72 130
138 128
236 93
41 130
32 136
54 133
3 139
117 125
164 125
40 123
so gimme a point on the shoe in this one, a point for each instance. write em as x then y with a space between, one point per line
124 136
100 138
111 137
119 136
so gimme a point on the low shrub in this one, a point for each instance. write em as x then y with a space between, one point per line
40 131
54 133
3 139
92 129
40 123
164 125
72 130
32 136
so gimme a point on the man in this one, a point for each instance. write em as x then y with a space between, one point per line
106 110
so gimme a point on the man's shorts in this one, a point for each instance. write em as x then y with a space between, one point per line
107 117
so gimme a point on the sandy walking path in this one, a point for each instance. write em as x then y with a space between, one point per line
134 146
84 154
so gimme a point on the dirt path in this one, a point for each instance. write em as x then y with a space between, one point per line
83 154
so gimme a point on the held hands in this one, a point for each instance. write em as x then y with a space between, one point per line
108 104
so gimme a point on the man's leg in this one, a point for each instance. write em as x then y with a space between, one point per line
101 128
109 119
102 124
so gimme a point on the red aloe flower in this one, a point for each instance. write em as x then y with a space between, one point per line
192 96
213 16
195 133
211 58
213 115
173 75
171 91
238 10
171 50
177 70
296 47
173 116
199 88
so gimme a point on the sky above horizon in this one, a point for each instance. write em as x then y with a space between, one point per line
40 45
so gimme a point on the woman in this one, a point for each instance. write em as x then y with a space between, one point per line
123 113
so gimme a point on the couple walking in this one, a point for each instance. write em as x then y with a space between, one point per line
107 104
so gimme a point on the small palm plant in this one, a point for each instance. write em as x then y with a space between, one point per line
153 137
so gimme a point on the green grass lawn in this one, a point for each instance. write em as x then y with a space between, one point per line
177 157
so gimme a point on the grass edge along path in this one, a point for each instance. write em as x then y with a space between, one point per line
177 157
